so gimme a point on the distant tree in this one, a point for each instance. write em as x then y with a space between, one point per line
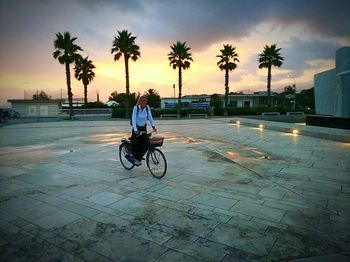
153 98
285 98
41 96
122 98
289 89
215 101
180 57
268 58
96 104
84 72
124 45
227 62
113 96
67 53
306 98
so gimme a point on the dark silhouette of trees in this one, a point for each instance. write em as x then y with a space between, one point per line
84 72
180 58
67 53
124 45
228 62
41 96
153 98
268 58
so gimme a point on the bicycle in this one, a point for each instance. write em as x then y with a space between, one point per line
155 159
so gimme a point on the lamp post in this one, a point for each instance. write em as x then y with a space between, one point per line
295 89
174 96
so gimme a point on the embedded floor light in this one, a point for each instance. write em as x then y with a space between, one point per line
237 122
261 126
295 131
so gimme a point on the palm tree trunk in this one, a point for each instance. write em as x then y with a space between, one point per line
180 89
127 86
85 95
269 87
69 90
226 93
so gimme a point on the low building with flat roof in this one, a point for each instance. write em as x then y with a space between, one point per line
37 108
203 101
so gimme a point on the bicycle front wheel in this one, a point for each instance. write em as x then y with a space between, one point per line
123 153
156 163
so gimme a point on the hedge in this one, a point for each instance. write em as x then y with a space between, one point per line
232 111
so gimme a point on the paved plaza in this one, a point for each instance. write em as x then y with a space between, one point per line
231 193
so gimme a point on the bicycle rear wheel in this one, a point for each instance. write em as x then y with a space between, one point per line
123 152
156 163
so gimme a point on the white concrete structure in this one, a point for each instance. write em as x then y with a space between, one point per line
332 87
112 103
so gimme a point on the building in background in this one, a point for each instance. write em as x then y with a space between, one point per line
37 108
203 101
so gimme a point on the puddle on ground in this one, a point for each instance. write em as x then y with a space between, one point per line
105 139
214 156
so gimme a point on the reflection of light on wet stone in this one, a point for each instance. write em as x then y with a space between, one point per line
265 157
191 140
232 154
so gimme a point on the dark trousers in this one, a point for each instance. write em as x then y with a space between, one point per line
139 144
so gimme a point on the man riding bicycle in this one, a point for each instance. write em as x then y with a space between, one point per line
139 138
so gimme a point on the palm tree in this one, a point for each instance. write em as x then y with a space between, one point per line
268 58
124 45
66 53
227 62
84 72
153 98
180 57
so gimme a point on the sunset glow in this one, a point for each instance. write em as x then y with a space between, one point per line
27 65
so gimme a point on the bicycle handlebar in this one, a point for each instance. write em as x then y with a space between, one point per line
144 132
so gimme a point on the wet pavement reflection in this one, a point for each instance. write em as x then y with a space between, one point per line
231 193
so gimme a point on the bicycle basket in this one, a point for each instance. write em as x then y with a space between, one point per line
125 140
157 141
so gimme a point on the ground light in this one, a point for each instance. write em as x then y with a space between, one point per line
295 131
261 126
237 122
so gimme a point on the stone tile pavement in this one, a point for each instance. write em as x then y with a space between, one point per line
231 193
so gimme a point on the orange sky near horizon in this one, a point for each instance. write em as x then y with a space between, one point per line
152 70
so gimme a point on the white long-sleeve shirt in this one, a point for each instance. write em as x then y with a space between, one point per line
140 118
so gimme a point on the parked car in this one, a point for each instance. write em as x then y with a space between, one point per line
9 113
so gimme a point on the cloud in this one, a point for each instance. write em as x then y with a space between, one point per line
299 54
319 27
199 22
203 22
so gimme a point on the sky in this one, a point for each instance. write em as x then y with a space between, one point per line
308 32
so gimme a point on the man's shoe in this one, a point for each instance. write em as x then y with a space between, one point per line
137 163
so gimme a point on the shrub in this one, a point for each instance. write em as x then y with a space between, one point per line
118 112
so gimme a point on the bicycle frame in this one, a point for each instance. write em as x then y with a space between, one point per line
155 159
